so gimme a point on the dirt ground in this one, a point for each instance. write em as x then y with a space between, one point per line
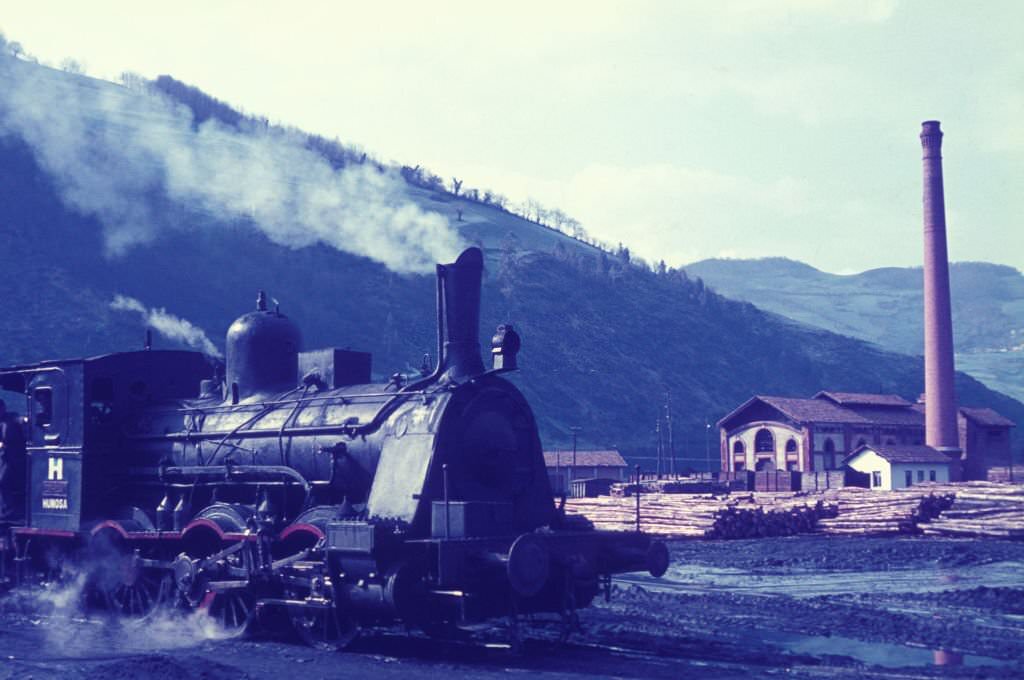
801 607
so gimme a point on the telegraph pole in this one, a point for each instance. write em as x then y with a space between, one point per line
707 442
671 442
657 432
575 431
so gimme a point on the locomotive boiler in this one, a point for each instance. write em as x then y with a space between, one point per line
287 480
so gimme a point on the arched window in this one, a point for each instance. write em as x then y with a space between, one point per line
737 446
830 446
764 442
791 445
861 442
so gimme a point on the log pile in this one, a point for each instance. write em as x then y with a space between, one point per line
961 509
982 509
863 512
706 516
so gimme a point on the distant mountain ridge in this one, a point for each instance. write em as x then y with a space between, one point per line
885 306
606 343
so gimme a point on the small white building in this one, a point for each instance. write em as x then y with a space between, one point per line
891 466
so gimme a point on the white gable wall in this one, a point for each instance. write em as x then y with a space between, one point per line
894 476
781 435
869 462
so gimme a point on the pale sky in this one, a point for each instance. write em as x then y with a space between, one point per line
685 130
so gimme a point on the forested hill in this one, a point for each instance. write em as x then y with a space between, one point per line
604 341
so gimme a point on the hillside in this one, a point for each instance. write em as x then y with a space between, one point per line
604 341
884 306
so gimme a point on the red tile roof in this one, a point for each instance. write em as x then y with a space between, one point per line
885 415
903 454
986 417
851 408
862 399
809 410
588 458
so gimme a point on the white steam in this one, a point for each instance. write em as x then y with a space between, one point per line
71 628
167 324
119 154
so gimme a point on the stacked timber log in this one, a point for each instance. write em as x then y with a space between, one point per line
863 512
982 509
706 516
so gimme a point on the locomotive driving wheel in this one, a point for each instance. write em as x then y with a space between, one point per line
232 611
139 596
319 622
120 583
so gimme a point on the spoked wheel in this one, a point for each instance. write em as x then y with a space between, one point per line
139 596
119 584
232 611
323 627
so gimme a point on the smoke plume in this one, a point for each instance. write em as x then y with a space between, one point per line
166 324
116 154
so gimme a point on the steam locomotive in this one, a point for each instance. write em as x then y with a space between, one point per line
288 481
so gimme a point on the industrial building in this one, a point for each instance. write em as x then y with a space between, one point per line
882 432
780 433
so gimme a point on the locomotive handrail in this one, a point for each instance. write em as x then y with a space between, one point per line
351 430
228 471
342 399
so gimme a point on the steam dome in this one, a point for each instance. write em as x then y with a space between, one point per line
262 353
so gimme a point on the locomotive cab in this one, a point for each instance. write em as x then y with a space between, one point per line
77 410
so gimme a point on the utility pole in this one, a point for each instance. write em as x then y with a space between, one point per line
707 442
657 432
671 442
575 431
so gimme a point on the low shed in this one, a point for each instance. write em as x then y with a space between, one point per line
896 467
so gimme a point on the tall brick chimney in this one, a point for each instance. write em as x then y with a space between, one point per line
940 400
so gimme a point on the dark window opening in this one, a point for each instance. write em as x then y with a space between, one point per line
861 442
737 447
830 454
791 446
234 393
920 475
909 478
876 478
764 442
931 475
43 397
101 401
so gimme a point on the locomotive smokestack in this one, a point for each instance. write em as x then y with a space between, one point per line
459 300
940 400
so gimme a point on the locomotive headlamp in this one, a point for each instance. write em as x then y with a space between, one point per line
504 348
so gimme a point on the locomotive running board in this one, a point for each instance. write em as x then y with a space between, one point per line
281 602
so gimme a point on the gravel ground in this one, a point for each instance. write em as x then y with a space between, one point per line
804 607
